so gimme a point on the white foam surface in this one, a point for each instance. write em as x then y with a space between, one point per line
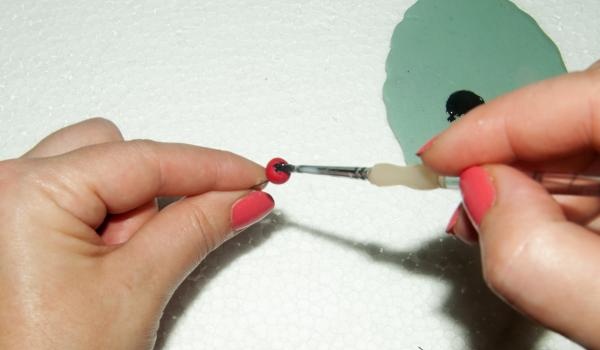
341 264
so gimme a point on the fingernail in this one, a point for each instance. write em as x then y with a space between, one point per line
426 146
452 222
260 186
250 209
462 228
478 192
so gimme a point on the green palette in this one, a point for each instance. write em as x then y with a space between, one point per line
488 47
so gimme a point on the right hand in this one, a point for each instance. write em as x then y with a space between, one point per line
541 253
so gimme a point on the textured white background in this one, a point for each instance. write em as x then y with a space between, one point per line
343 265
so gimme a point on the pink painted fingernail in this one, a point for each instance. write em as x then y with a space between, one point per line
250 209
426 146
478 192
452 222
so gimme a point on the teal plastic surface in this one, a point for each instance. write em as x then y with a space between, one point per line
489 47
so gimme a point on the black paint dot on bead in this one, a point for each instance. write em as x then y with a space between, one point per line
461 102
281 167
276 171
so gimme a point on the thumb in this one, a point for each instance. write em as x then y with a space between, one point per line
540 263
178 238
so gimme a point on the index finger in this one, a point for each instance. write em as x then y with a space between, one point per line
552 119
120 176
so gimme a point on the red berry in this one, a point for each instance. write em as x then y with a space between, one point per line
277 177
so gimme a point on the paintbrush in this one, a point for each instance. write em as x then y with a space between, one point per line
420 177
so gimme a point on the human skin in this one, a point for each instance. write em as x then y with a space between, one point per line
65 286
86 259
540 253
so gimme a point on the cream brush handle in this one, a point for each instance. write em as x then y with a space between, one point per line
422 178
414 176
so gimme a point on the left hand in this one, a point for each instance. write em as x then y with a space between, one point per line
64 285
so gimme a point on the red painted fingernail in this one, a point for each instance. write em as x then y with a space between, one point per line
250 209
426 146
478 192
453 220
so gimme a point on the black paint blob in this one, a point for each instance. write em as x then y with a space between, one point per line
283 167
460 102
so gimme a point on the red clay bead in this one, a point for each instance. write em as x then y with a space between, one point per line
275 176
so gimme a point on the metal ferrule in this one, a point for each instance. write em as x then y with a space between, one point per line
449 182
350 172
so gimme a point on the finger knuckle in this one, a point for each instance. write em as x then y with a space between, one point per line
595 66
106 127
594 77
203 230
145 151
509 260
143 145
10 174
498 263
20 185
143 148
493 273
